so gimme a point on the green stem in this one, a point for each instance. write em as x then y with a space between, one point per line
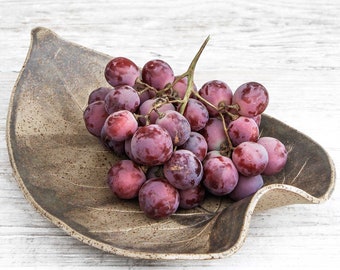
190 74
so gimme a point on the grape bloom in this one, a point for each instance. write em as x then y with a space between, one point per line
178 146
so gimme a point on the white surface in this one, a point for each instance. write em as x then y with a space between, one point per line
292 47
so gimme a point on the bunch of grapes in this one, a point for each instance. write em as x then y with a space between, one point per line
178 142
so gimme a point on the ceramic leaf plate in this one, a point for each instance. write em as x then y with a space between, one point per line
62 169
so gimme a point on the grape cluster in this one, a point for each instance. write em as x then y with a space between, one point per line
178 142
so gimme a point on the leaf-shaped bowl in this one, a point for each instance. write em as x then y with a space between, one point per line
62 169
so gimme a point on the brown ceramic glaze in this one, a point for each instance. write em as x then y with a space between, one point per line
62 169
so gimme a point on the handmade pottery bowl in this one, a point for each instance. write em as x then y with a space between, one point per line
62 169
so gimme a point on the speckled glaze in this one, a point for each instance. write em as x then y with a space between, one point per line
62 169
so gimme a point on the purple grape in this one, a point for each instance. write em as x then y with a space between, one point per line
220 174
158 199
183 170
146 108
214 134
243 129
250 158
125 179
217 93
191 198
120 71
98 94
119 126
157 74
197 145
197 114
123 97
277 155
177 126
94 117
151 145
252 99
246 186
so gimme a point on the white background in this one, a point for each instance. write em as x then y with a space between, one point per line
292 47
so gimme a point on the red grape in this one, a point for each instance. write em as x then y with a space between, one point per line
220 175
125 179
250 158
196 144
151 145
197 114
158 199
157 74
119 126
177 126
243 129
183 170
123 97
216 92
120 71
277 154
94 117
252 99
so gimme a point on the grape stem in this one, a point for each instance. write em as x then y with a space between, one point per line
190 80
190 75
